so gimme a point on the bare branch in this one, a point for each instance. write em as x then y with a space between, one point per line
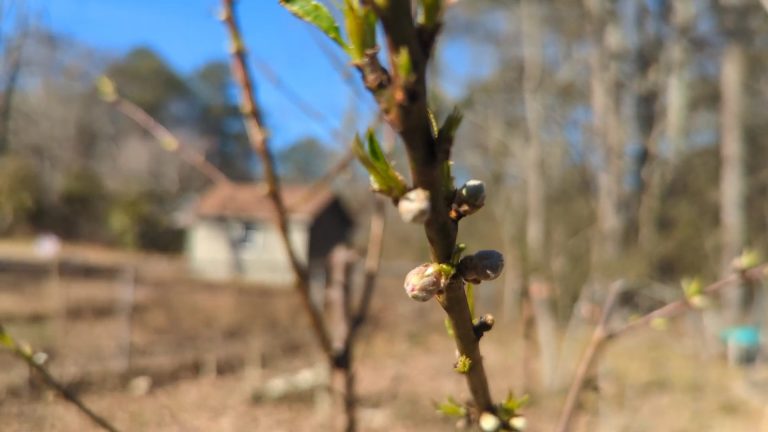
168 140
28 357
257 138
602 334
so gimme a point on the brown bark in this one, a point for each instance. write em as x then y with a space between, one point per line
675 124
403 102
603 334
607 134
536 213
732 166
257 139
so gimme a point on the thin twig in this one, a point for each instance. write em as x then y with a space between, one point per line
372 264
168 140
28 357
602 334
348 320
292 95
257 139
596 344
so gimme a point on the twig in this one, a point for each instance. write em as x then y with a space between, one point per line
596 343
257 139
292 95
372 264
168 140
28 357
348 320
602 334
403 100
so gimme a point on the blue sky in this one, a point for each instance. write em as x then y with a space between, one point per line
187 35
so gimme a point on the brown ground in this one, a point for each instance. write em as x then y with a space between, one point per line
658 381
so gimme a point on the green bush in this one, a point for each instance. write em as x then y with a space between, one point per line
140 219
20 190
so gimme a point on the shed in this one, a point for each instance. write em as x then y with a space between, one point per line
234 233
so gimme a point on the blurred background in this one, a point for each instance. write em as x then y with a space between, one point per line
617 139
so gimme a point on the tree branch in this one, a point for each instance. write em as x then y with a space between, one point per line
602 334
168 140
403 101
28 357
257 138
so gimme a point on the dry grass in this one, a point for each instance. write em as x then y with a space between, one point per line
649 381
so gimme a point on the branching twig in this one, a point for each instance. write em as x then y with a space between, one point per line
28 357
257 138
349 319
167 139
602 334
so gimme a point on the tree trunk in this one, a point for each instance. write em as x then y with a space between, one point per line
608 147
675 124
732 169
647 82
539 290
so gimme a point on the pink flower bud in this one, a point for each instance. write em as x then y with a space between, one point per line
423 282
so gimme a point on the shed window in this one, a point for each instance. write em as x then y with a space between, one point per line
253 234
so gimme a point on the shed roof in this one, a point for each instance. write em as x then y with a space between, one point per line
250 201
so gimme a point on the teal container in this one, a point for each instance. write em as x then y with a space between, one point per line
744 336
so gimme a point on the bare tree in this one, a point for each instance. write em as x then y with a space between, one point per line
733 76
539 286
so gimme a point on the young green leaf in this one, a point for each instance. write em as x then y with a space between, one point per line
384 178
106 88
316 14
6 340
451 408
512 405
463 364
360 22
374 149
691 287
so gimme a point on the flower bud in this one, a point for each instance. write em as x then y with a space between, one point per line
469 198
518 423
484 265
414 206
423 282
489 422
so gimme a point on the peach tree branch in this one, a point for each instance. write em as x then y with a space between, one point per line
432 199
748 272
26 355
258 140
167 140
